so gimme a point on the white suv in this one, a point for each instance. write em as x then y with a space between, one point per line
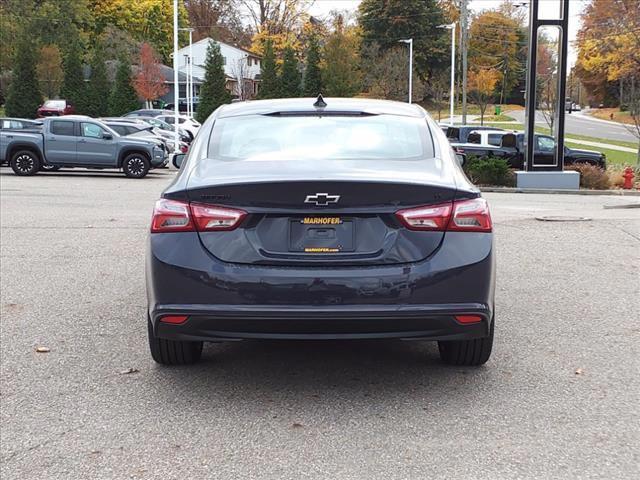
187 123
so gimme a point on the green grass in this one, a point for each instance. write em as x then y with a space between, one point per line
614 157
498 118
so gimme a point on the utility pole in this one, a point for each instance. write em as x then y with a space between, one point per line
176 85
464 47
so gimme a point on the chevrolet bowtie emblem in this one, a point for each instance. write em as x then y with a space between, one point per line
322 199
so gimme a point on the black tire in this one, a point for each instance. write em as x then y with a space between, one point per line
136 165
45 167
173 352
470 353
25 163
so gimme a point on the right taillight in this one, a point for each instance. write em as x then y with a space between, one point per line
470 216
463 216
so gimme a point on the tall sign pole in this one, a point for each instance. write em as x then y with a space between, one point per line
176 85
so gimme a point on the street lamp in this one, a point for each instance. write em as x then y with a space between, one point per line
452 27
410 42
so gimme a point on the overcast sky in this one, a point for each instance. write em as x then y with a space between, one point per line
548 9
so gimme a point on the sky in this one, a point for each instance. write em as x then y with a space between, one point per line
548 9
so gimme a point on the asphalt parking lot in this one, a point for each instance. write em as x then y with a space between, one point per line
558 399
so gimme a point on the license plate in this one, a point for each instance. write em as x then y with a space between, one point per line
321 235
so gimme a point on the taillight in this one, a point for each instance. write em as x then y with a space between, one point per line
213 218
470 216
463 216
171 216
184 148
433 217
178 216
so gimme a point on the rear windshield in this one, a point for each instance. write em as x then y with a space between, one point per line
327 137
55 104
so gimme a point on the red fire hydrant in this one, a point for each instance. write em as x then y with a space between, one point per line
628 178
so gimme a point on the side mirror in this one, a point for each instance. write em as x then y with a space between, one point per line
107 136
178 158
461 158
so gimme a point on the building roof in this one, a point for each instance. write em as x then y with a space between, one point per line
208 39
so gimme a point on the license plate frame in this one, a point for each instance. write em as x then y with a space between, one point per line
322 235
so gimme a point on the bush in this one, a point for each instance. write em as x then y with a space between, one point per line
591 176
489 171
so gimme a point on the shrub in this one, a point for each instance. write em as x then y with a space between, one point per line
489 171
591 176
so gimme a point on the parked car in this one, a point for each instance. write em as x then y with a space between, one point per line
163 127
144 130
460 133
55 108
77 141
148 112
187 123
486 137
512 150
351 219
7 123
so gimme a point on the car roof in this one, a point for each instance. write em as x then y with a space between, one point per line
334 105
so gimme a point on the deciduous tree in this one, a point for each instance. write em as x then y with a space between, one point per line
149 82
482 84
387 77
213 91
24 97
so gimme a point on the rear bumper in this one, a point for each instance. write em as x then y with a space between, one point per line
416 322
226 301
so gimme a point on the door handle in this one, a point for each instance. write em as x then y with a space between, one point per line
82 141
51 139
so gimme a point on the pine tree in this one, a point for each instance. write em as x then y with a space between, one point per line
213 91
312 75
73 87
123 96
290 78
24 96
341 76
97 96
269 83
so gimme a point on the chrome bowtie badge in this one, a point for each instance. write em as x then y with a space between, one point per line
322 199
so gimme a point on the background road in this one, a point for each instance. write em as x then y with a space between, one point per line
558 399
577 123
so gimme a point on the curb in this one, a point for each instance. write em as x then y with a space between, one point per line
625 193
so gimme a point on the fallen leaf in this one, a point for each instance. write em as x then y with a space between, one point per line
129 370
579 371
296 425
42 349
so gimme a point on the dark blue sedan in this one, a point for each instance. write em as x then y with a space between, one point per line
311 219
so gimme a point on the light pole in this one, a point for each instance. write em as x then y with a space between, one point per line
410 42
452 27
189 72
176 86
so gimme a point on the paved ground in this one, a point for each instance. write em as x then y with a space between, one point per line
559 398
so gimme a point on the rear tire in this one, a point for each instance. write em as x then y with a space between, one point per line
173 352
136 165
25 163
469 353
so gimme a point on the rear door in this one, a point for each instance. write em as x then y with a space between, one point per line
61 142
94 148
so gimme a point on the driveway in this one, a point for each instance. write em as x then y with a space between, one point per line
558 399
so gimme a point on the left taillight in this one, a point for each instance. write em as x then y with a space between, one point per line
178 216
471 215
171 216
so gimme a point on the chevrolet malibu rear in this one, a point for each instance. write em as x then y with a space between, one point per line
330 219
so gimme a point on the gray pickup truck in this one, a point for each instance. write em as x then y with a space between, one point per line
78 141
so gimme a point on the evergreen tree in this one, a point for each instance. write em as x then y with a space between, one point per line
123 96
312 75
97 92
24 96
213 91
290 76
73 87
269 83
341 76
386 21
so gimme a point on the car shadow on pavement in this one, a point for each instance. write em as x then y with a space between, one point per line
276 370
